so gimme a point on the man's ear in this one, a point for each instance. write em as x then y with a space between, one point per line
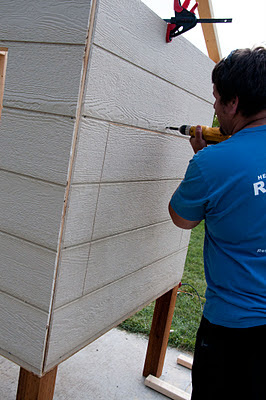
233 106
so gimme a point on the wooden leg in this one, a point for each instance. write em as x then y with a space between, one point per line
32 387
159 334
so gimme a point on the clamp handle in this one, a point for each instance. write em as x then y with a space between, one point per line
185 20
178 8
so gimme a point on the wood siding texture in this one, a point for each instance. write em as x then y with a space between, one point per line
119 249
45 54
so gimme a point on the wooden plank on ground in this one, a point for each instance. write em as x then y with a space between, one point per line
185 360
166 389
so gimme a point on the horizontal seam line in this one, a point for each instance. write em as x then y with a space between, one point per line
45 43
92 241
37 111
152 73
123 124
102 183
24 302
32 178
28 241
119 279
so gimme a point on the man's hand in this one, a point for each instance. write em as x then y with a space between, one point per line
197 142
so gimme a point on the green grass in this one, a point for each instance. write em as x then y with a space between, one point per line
187 313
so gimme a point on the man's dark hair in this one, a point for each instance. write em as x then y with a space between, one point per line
243 74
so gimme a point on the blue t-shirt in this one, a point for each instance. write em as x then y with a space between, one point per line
225 184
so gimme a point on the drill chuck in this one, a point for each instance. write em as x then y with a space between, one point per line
185 130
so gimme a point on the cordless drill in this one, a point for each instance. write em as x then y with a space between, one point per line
211 135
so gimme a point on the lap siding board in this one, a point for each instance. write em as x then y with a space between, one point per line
87 169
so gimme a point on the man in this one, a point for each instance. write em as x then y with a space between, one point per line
225 184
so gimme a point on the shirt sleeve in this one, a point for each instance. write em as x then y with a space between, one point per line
190 199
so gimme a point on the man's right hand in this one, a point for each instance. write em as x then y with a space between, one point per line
198 142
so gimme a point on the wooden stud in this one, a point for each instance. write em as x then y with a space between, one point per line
32 387
166 389
210 31
159 334
185 361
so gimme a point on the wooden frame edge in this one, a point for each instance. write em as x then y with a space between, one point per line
209 31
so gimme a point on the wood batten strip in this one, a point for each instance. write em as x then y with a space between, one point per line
86 57
3 64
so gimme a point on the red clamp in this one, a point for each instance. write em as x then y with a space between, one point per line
178 8
183 24
185 20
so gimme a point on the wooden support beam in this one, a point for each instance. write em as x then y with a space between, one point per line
185 361
166 389
210 31
159 334
32 387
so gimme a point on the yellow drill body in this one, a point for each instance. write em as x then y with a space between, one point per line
211 135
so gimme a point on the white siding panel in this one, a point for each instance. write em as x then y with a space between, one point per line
141 40
26 271
22 332
185 237
84 320
43 77
30 209
134 154
80 214
71 276
126 206
120 250
121 255
132 96
36 145
90 151
50 21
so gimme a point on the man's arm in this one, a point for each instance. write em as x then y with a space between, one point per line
181 222
197 143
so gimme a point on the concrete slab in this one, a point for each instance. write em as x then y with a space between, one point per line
109 368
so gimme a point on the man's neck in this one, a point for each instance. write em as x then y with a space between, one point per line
251 122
